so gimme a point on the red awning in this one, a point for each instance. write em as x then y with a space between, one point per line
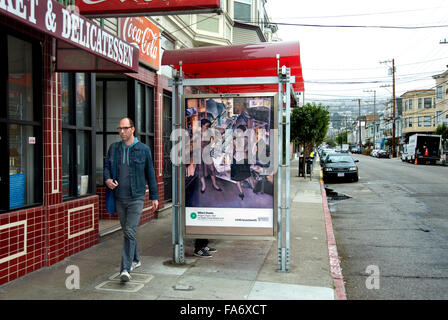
249 60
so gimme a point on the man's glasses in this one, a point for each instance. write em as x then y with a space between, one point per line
123 128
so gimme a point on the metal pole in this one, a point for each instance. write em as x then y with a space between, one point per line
176 106
281 252
359 124
393 108
284 168
288 168
374 118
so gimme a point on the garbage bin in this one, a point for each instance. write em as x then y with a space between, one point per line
309 161
301 166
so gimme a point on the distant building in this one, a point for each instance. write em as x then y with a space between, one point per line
441 105
418 112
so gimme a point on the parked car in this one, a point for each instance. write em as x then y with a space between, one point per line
383 154
374 152
327 154
340 166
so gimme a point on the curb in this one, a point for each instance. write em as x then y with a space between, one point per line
335 268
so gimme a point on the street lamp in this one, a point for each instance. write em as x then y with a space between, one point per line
374 115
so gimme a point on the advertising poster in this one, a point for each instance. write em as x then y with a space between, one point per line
229 177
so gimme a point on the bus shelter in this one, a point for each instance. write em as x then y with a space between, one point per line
238 91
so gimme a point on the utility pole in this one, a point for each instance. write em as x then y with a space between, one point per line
359 124
393 105
374 115
346 131
393 108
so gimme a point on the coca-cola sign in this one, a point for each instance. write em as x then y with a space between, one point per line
145 35
128 8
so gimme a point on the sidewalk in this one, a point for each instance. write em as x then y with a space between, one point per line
240 270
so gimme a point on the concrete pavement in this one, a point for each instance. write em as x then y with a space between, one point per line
240 270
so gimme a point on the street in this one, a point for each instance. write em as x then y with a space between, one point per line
392 233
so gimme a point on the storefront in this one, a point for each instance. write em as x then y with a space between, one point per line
67 82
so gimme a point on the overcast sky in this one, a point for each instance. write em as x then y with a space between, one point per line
354 54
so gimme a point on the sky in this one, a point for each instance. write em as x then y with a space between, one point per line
334 58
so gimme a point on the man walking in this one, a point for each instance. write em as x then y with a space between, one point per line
134 170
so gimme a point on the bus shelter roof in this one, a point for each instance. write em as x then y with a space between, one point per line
248 60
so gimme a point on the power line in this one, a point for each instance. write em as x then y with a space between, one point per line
359 26
373 68
364 14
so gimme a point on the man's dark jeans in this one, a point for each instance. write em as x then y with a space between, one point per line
129 213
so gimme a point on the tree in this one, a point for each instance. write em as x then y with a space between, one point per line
309 126
330 142
442 130
341 138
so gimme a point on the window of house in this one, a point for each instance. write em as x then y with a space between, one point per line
428 102
438 117
428 121
186 18
410 122
420 103
410 104
242 10
21 137
420 121
77 135
406 105
439 93
208 23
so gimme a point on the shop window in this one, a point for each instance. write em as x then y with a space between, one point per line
20 124
111 107
76 135
145 115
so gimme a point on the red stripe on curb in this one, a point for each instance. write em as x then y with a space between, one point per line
335 268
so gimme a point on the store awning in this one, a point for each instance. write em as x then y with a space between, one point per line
249 60
81 44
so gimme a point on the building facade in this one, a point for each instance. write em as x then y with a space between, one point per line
58 125
418 114
441 102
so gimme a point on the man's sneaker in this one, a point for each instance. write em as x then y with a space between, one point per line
125 276
203 254
135 265
210 249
